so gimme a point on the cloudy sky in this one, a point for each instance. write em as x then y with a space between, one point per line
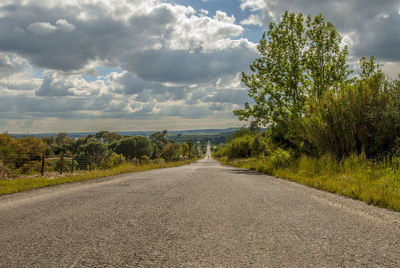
89 65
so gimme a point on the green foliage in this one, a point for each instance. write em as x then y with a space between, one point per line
299 58
30 167
185 149
134 147
116 159
240 147
240 132
280 158
101 150
362 117
67 165
246 143
301 90
108 137
16 152
159 140
63 139
258 146
170 152
8 150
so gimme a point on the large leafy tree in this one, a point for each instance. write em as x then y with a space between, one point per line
136 146
300 58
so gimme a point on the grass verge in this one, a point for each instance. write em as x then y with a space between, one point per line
376 183
24 184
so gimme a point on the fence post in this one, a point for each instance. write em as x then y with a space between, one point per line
72 164
42 169
90 163
61 162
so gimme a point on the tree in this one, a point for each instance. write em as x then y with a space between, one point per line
30 148
185 149
49 140
95 149
191 146
299 59
108 137
132 147
170 152
9 149
159 140
63 139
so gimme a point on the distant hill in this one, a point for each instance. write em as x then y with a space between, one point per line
138 133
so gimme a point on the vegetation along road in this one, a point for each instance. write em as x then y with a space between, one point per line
199 215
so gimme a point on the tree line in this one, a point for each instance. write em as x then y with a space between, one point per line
103 149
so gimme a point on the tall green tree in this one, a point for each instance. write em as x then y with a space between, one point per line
300 58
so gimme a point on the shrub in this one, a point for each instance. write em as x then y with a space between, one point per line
117 159
362 117
170 152
31 167
257 146
280 158
67 165
240 147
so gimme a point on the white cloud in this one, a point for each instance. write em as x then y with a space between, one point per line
253 20
254 5
41 28
59 84
44 28
170 57
203 11
65 25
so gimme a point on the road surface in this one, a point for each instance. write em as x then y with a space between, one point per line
199 215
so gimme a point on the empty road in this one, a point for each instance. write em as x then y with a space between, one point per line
199 215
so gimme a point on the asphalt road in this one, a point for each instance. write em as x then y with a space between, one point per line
200 215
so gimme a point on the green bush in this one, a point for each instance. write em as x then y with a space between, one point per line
280 158
363 117
116 159
67 165
240 147
31 167
170 152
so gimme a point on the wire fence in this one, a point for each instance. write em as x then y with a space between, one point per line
31 163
